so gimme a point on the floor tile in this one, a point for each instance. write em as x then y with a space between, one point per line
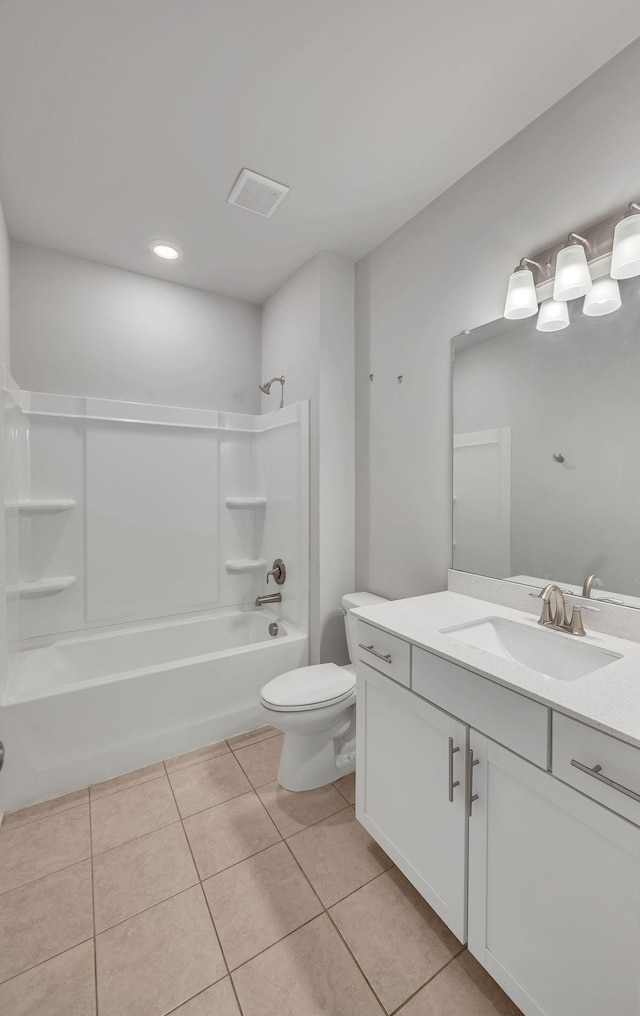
155 961
462 989
45 809
397 939
251 737
138 874
258 902
229 833
293 812
130 813
44 918
207 784
220 1000
38 848
338 856
260 761
63 986
191 758
307 974
127 780
347 787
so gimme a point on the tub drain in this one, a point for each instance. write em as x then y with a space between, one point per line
273 628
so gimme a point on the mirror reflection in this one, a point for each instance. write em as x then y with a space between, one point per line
546 451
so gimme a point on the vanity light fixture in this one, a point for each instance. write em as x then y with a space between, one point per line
553 316
602 298
625 258
521 301
572 271
164 250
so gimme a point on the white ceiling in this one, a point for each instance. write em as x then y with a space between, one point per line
127 120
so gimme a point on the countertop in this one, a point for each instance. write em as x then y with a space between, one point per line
608 699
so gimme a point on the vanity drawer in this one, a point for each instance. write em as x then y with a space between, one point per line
505 716
386 653
620 763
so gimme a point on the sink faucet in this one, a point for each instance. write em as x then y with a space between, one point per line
589 583
554 611
268 598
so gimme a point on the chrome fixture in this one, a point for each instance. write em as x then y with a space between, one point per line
266 388
589 583
279 572
273 629
554 611
452 783
268 598
587 264
596 772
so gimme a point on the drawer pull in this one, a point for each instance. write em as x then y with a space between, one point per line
452 785
471 797
596 772
374 652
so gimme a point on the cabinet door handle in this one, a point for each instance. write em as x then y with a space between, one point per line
374 652
471 797
452 785
597 774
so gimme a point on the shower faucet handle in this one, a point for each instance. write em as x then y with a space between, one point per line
278 571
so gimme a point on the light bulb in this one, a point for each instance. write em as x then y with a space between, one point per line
553 316
521 301
625 258
572 273
166 251
602 298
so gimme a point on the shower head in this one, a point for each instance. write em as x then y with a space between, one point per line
266 387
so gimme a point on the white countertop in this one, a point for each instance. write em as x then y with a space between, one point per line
608 699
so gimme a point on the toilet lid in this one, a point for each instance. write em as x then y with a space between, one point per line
318 685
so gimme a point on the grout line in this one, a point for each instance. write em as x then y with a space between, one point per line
99 853
93 914
353 957
134 786
428 981
41 963
39 878
206 903
42 818
239 747
138 913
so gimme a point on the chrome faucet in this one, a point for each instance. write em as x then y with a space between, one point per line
268 598
589 583
554 611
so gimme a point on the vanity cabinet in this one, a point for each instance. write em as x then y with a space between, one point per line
554 891
410 755
523 863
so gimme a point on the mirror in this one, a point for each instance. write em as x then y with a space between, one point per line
546 451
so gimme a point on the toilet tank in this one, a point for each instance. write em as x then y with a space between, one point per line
349 601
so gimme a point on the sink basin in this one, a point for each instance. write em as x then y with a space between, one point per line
553 654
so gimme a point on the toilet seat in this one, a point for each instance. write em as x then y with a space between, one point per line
322 684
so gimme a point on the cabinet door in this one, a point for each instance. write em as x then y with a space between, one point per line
402 790
554 891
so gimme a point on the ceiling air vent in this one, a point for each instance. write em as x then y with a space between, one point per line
257 193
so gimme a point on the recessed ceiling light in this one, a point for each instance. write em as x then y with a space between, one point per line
166 251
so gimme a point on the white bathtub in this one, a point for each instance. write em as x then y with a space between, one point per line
84 709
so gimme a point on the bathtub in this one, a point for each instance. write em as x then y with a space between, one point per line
84 709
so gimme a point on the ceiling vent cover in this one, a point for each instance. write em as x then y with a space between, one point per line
257 193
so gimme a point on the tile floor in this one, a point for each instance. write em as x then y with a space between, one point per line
199 887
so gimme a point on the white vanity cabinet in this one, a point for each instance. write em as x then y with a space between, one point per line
410 755
554 891
524 863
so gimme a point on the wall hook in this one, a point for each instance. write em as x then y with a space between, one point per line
371 377
559 457
400 377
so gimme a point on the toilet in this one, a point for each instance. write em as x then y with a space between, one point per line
315 707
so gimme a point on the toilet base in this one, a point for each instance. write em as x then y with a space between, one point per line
309 761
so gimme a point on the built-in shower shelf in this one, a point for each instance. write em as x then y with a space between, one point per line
246 564
42 506
41 587
245 502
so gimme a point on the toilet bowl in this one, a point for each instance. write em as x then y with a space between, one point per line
315 708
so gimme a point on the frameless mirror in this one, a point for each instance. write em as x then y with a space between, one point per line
546 451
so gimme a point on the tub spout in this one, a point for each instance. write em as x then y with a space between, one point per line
268 598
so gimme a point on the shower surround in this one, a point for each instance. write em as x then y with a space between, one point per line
138 537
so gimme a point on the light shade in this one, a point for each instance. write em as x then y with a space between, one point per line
572 273
521 299
553 316
602 298
625 259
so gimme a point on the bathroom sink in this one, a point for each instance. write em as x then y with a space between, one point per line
553 654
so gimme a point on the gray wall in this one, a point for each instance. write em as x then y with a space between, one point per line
80 328
308 335
4 292
447 270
